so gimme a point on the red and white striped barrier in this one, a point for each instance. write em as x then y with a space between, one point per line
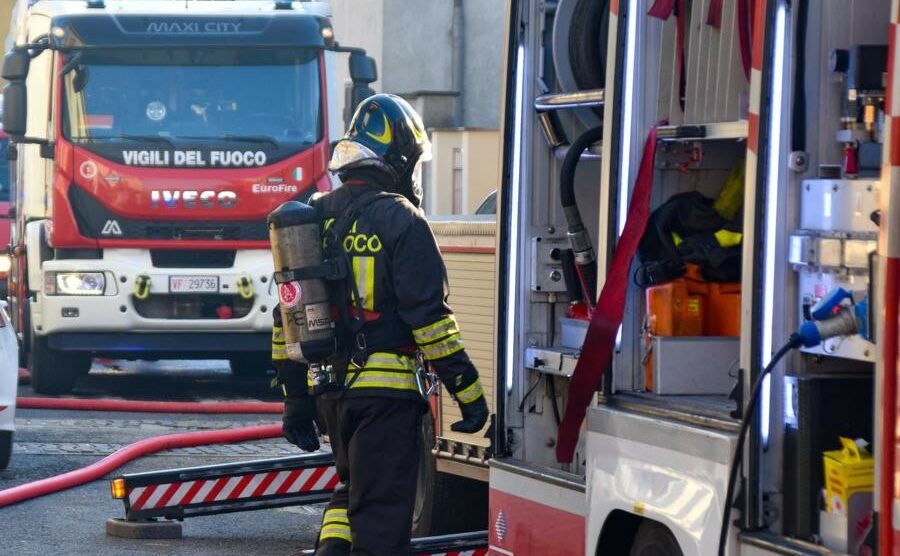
230 487
235 488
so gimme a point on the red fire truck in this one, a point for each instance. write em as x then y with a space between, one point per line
151 140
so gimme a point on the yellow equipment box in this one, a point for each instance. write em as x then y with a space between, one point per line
848 472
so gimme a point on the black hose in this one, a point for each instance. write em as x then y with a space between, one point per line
749 412
578 236
570 163
798 126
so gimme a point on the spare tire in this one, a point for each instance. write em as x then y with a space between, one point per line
580 34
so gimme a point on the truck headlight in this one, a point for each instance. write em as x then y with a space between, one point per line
5 264
74 283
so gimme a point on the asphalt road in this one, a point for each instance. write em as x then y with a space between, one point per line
72 522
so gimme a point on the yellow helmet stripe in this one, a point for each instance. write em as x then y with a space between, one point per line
385 136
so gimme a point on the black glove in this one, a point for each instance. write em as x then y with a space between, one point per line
474 416
297 422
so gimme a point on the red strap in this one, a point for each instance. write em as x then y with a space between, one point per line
663 9
714 15
744 33
601 334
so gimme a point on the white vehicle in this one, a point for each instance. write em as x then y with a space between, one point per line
736 87
152 138
9 383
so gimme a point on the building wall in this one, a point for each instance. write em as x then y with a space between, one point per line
484 49
480 174
412 45
6 9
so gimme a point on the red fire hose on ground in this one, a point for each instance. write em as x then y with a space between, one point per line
97 470
117 459
139 406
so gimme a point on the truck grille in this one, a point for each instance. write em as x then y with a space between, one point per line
94 219
192 258
193 306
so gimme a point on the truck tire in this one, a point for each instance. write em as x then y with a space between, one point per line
250 364
52 371
654 539
445 504
6 444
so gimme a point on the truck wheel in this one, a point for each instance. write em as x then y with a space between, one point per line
445 504
53 371
654 539
250 364
6 442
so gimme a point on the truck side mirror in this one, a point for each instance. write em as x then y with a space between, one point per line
15 109
362 68
363 71
15 65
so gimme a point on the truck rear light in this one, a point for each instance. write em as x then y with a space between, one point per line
5 264
117 488
74 283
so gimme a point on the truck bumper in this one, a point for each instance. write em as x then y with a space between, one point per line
119 311
162 345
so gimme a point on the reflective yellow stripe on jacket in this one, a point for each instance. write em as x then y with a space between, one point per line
279 352
385 370
439 339
335 525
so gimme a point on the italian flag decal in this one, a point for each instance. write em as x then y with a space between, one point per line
298 173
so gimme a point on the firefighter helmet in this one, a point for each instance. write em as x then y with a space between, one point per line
387 134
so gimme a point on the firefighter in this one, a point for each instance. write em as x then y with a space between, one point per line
394 313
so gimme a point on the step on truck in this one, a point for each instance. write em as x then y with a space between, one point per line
150 141
774 121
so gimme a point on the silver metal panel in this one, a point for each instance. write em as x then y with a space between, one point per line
554 361
856 253
713 445
838 205
547 276
676 369
573 332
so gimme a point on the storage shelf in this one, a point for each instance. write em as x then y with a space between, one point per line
714 131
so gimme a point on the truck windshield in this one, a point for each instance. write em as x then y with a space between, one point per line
250 97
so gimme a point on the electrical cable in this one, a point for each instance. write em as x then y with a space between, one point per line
750 410
530 390
551 392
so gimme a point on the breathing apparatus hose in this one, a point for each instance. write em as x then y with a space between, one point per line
794 342
578 235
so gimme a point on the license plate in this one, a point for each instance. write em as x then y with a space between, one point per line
193 284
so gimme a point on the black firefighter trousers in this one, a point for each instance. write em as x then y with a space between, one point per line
376 444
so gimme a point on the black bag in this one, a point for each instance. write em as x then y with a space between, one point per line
691 217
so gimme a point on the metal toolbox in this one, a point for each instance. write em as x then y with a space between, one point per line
679 367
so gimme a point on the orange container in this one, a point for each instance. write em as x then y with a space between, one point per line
690 306
677 308
723 310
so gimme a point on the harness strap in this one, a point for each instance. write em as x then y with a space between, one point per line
607 316
330 269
